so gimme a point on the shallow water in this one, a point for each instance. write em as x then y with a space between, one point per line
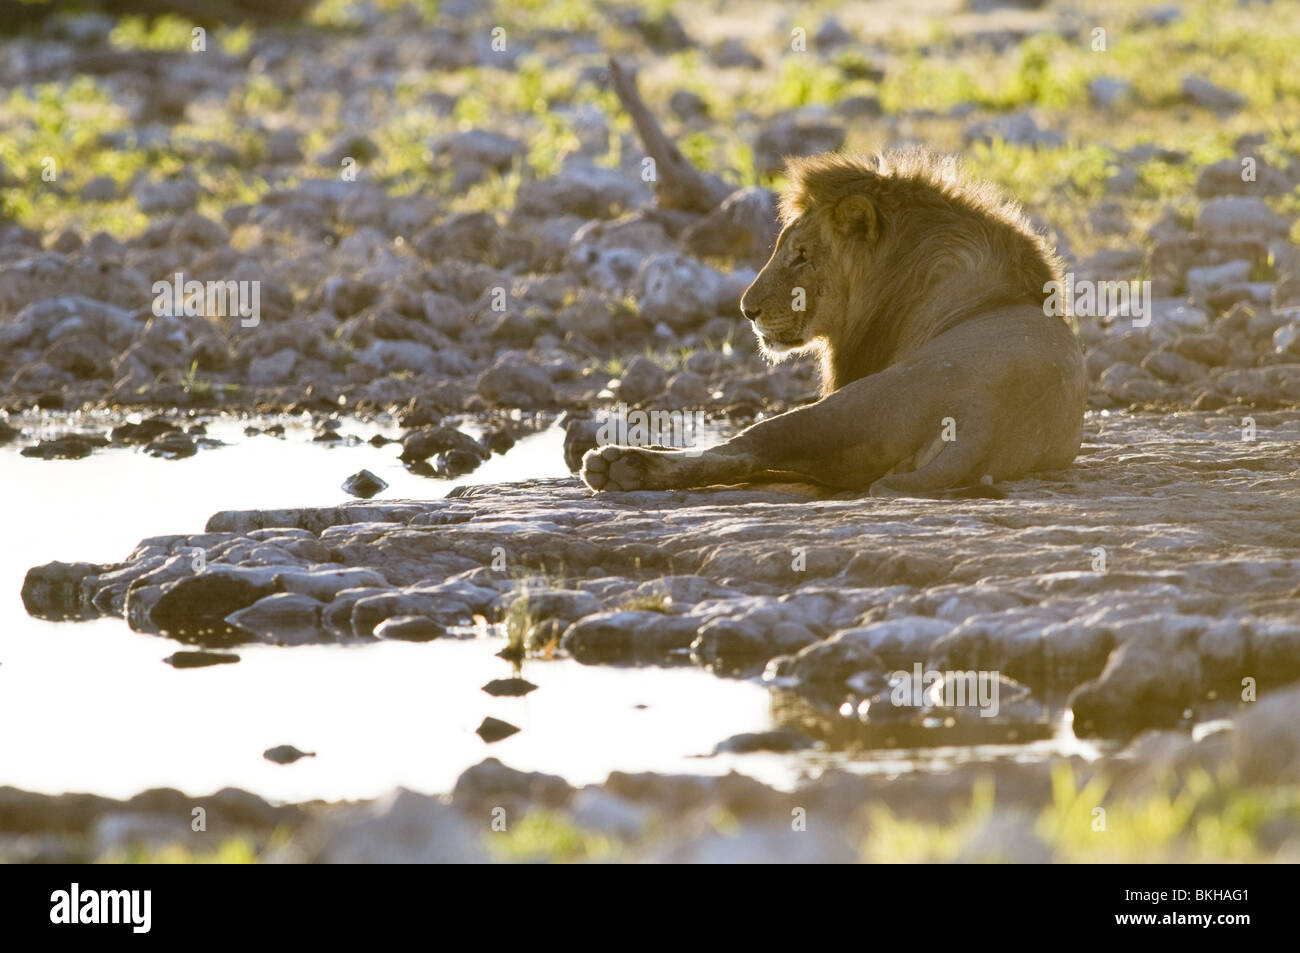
89 706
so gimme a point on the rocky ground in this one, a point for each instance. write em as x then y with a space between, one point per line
447 231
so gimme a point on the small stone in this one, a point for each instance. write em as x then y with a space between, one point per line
1231 218
286 754
494 729
363 484
780 740
732 53
517 385
173 446
70 447
1202 92
409 628
102 188
641 380
200 659
509 687
1108 92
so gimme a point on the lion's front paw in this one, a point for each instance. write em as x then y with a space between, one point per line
616 468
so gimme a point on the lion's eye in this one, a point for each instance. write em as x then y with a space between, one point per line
800 257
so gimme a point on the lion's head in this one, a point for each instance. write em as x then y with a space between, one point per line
877 256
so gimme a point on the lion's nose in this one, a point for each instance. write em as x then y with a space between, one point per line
751 313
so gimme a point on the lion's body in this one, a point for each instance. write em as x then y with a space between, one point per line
923 299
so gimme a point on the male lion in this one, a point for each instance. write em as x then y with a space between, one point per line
922 296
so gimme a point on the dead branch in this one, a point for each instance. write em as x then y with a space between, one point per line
678 184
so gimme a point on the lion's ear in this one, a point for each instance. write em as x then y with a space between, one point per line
854 216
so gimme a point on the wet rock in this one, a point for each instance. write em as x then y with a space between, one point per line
509 687
363 484
69 447
283 618
410 628
286 754
54 590
202 602
173 446
628 635
552 603
200 659
755 637
780 740
494 729
323 584
143 433
437 604
824 668
1148 681
897 642
428 441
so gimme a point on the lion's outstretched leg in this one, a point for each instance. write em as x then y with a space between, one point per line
617 468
